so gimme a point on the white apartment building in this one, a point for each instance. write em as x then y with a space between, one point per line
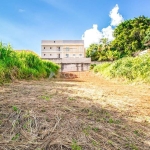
55 49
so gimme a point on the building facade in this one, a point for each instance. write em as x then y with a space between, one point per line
57 49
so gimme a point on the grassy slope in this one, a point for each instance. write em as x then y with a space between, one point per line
137 69
23 65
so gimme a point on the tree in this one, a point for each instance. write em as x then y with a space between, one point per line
92 52
102 52
105 43
147 39
130 34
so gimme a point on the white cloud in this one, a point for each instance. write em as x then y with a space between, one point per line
93 35
108 33
21 10
116 18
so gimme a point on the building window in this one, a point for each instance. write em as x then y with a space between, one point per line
44 47
50 54
59 48
67 55
44 54
81 49
50 48
80 54
67 48
54 41
74 54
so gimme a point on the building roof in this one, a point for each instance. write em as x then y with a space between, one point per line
62 42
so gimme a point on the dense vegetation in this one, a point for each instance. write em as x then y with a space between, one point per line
130 34
130 37
102 53
23 65
137 69
147 38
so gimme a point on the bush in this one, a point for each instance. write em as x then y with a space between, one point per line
100 53
130 68
92 66
23 65
101 67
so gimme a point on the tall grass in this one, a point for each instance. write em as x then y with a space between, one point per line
137 69
23 65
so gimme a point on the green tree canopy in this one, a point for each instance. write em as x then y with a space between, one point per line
147 39
130 34
102 51
92 52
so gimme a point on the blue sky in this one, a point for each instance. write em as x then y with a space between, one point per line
24 23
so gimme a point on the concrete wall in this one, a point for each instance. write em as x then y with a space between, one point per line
61 55
76 60
74 67
71 60
72 64
50 55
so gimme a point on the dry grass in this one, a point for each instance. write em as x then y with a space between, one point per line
82 113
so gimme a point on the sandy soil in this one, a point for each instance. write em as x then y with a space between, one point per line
74 112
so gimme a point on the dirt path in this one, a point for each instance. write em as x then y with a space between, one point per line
87 112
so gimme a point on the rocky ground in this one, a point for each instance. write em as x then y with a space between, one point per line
79 111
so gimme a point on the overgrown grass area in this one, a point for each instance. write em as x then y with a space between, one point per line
23 65
137 69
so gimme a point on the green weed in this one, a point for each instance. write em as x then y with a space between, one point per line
110 142
71 98
131 146
1 122
95 129
75 146
14 138
94 143
113 121
86 130
136 132
47 98
15 108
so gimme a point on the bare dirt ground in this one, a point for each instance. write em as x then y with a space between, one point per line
86 112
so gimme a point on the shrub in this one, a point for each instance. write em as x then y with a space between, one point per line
130 68
23 65
92 66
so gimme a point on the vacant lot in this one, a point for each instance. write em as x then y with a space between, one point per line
87 112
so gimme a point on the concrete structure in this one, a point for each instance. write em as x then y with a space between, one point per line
73 64
69 54
54 49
